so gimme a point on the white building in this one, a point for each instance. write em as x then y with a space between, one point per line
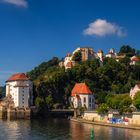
81 96
111 54
100 55
134 90
134 60
20 88
68 62
87 53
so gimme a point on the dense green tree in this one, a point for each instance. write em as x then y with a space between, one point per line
77 56
41 106
125 60
2 91
100 97
49 101
111 77
37 71
38 101
138 53
103 108
126 49
120 102
136 100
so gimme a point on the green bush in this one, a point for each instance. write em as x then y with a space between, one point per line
103 108
136 100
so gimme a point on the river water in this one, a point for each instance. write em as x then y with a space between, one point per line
61 129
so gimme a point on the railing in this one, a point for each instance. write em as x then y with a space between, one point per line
21 85
63 110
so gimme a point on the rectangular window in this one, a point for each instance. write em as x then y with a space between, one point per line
89 99
84 99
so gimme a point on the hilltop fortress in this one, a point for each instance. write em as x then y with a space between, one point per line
87 53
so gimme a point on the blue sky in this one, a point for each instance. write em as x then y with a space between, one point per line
33 31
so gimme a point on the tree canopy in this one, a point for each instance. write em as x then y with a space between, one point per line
77 56
120 102
53 85
136 100
37 71
2 91
126 49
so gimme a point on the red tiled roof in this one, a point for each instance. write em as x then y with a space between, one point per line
68 55
17 77
80 88
135 59
100 51
69 65
110 53
138 85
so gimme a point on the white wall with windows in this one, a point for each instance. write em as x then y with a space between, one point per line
21 92
84 100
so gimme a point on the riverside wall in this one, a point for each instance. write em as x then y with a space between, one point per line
115 118
15 113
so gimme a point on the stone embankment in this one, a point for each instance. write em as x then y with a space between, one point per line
113 119
15 113
105 124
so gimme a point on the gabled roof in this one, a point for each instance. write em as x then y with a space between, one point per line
18 77
68 55
69 65
80 88
138 85
135 59
100 51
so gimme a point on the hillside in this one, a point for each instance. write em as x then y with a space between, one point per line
53 85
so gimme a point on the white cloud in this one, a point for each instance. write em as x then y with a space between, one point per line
20 3
102 27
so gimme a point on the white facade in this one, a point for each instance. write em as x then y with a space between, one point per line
84 100
21 92
87 53
134 60
111 54
67 59
100 55
134 90
68 62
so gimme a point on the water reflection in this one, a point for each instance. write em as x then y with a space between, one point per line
82 132
60 129
14 130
